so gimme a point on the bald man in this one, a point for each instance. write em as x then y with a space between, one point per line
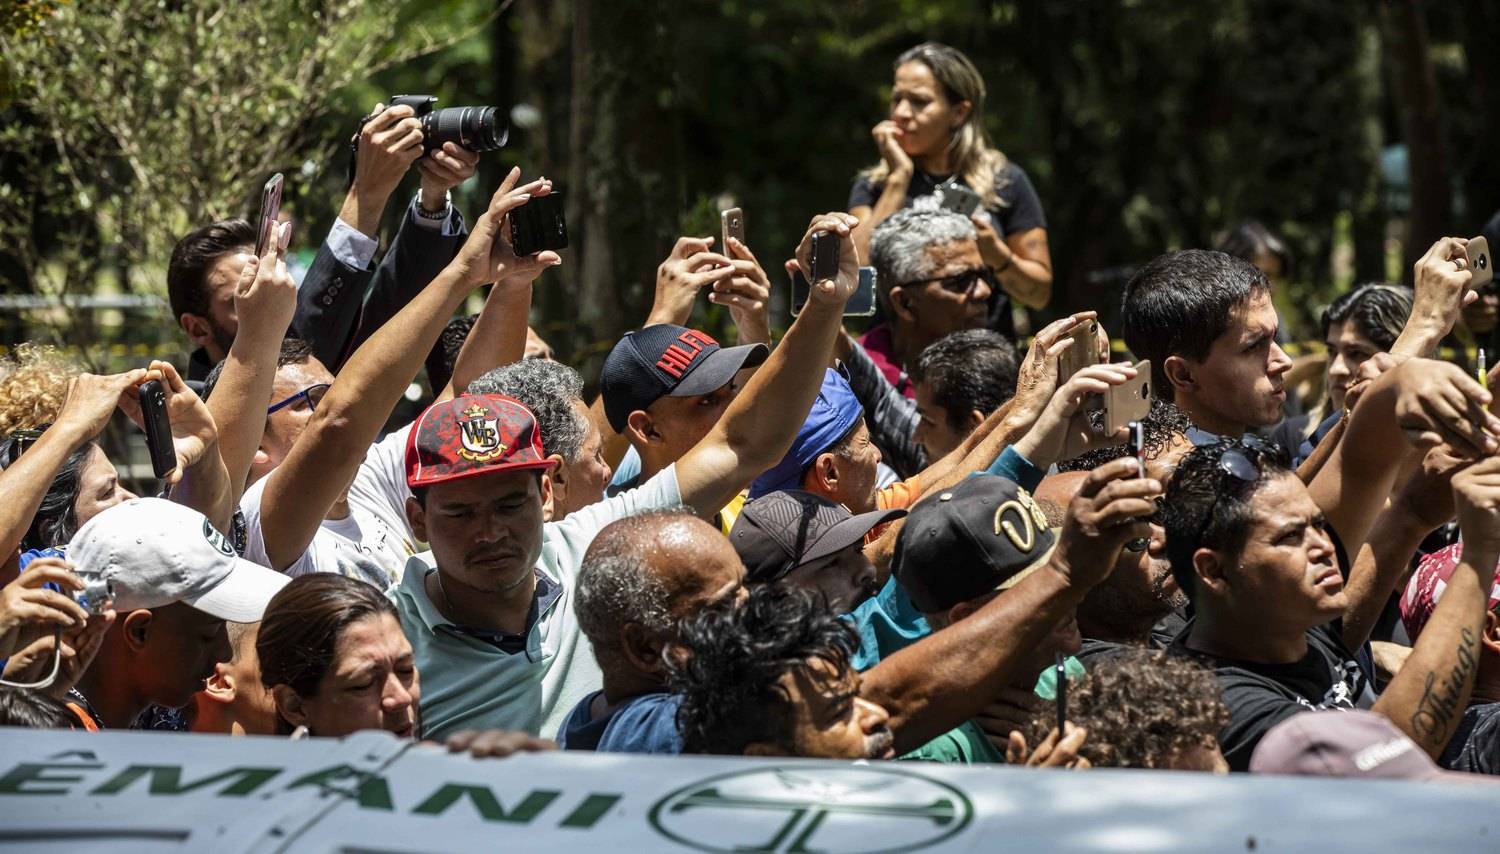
640 577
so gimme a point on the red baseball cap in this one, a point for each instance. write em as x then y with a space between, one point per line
471 435
1427 585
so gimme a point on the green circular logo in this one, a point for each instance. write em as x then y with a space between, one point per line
832 808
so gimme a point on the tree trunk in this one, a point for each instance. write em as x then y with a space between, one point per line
1416 88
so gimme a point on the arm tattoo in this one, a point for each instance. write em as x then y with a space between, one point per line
1438 703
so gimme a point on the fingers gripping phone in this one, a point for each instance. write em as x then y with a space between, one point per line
861 304
731 224
1480 263
1128 403
270 211
1082 352
158 428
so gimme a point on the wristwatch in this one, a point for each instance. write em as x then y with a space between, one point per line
441 214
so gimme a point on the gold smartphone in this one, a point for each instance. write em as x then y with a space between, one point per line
1082 352
1480 263
1129 402
732 224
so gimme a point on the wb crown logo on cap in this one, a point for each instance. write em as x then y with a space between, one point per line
481 435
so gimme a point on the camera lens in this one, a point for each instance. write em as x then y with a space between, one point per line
1484 261
474 128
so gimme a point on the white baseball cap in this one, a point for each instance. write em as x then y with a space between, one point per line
156 552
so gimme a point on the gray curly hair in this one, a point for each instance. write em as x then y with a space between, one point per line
549 389
898 246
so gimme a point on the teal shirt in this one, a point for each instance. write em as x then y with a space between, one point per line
964 745
889 621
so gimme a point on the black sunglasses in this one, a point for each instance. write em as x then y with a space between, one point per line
962 283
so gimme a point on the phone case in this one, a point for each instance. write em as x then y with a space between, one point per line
732 224
1129 402
539 225
270 211
1081 353
825 255
1480 263
158 428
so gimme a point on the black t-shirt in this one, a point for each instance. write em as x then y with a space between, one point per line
1476 745
1260 696
1019 210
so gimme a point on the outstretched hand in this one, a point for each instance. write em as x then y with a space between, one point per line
1109 510
836 291
193 430
1063 431
487 255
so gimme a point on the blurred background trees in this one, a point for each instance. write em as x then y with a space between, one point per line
1355 128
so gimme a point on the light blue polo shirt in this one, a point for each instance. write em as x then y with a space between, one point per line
470 683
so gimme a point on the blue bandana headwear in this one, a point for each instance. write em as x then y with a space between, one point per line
833 414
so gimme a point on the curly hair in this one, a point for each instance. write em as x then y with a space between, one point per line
1141 708
730 678
1161 427
33 384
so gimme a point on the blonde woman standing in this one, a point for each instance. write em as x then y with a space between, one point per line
934 137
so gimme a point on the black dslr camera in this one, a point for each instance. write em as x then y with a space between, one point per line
475 128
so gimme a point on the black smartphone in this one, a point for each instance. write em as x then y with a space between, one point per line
158 428
825 255
539 225
861 304
1062 695
270 211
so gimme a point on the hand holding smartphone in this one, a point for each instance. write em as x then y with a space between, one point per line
539 225
862 304
158 428
270 212
731 224
1479 262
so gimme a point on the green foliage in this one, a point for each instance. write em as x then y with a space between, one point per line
134 121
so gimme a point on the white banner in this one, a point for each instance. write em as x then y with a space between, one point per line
120 792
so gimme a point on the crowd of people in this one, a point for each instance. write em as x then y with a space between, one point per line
907 545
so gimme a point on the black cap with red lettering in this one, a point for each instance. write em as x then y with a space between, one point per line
666 360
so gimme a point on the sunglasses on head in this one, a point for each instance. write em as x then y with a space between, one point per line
1240 462
20 441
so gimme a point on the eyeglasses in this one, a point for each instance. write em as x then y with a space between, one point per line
1236 462
20 441
962 283
313 394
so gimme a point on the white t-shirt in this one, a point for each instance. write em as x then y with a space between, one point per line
373 542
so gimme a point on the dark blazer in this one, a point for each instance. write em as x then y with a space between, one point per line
338 307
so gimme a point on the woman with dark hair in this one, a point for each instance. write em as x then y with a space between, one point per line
1356 326
335 660
934 138
1257 244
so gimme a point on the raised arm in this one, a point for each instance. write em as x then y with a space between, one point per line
946 678
90 401
498 336
758 427
264 300
1420 505
1435 400
1427 697
326 457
